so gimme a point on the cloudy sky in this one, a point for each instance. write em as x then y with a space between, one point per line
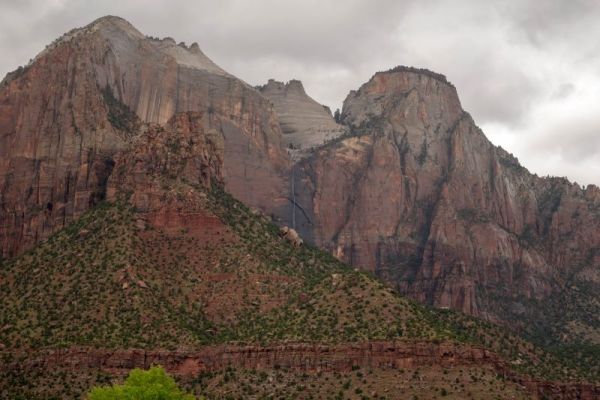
527 70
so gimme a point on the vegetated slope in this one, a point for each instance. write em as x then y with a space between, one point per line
172 261
359 383
111 284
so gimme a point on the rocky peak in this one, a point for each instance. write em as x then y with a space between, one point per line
420 196
194 48
113 22
189 57
110 27
422 96
304 122
124 38
419 71
294 86
63 124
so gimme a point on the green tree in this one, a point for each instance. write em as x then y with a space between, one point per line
337 116
153 384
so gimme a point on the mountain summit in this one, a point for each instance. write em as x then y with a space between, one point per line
416 193
305 124
64 118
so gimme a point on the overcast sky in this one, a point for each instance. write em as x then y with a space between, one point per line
528 71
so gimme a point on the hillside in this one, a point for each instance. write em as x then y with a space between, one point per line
110 284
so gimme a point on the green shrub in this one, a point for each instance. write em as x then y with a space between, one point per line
153 384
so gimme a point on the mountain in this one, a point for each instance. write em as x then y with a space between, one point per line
65 116
415 193
121 159
171 269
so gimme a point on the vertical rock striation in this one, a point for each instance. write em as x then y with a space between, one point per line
417 194
64 117
407 186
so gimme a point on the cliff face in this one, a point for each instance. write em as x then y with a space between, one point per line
64 117
56 145
158 78
417 194
408 188
188 147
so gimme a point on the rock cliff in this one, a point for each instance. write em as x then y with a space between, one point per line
66 115
305 124
417 194
299 358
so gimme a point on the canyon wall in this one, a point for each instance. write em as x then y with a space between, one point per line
407 187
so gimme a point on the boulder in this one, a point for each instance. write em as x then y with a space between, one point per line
291 236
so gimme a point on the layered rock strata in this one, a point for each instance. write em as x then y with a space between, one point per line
299 357
305 124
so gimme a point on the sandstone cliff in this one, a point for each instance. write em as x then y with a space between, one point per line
65 116
418 195
304 358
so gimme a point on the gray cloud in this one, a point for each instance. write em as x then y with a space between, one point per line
528 71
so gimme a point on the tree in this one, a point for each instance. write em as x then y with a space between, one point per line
336 116
153 384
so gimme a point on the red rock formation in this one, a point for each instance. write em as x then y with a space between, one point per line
188 148
64 117
297 357
421 197
416 194
293 356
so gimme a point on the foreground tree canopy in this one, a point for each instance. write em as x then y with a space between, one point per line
153 384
